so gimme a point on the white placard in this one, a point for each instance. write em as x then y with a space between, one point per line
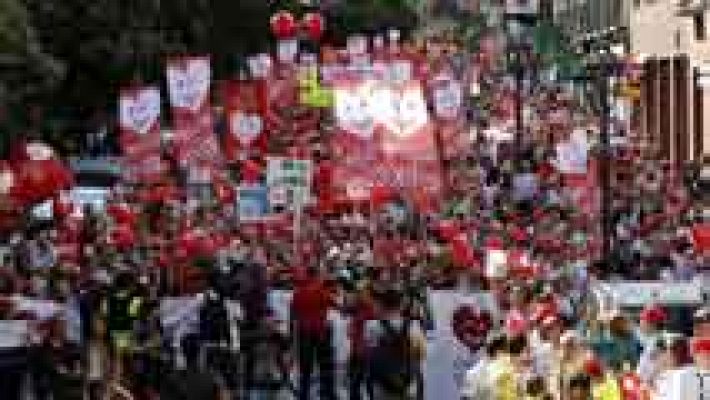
287 50
189 82
572 157
352 109
496 264
294 175
14 334
139 109
357 45
447 359
631 294
94 197
448 99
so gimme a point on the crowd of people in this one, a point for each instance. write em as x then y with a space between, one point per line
90 285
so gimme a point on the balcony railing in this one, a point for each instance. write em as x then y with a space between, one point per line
691 7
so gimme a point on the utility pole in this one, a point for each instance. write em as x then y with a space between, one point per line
519 75
605 160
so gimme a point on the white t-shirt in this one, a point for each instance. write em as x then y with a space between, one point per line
476 384
688 383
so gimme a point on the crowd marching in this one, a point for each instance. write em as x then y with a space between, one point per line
163 292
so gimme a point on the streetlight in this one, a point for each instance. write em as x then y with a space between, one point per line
516 51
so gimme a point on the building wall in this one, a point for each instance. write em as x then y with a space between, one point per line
676 111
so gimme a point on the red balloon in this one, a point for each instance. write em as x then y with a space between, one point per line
283 25
314 25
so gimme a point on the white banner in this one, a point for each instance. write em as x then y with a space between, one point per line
189 82
447 359
287 50
139 109
14 334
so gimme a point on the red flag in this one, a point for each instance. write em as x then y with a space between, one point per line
189 80
139 123
246 109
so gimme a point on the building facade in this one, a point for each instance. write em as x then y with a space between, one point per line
669 39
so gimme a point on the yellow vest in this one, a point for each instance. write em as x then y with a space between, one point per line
607 390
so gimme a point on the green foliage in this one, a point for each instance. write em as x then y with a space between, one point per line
77 53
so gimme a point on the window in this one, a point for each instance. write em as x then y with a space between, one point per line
699 24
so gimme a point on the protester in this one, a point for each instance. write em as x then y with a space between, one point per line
515 221
312 299
395 349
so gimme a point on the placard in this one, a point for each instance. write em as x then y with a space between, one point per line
94 197
14 334
287 50
293 174
448 99
638 294
572 158
252 203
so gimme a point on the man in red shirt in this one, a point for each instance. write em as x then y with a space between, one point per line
312 299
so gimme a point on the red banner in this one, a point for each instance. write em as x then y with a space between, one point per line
385 138
245 106
189 80
139 123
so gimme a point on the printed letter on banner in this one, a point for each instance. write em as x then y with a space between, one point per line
189 80
139 112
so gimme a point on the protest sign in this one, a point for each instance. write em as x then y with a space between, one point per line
252 202
246 105
295 176
189 80
139 124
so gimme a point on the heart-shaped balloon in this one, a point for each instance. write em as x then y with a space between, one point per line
189 83
246 127
139 110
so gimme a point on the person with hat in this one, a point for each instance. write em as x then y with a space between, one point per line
614 342
687 382
652 321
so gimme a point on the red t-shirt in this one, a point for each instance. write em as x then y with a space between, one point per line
364 311
309 307
701 237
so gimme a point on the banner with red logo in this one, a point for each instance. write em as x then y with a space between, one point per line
139 123
189 80
384 138
245 107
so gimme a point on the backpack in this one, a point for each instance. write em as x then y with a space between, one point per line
390 363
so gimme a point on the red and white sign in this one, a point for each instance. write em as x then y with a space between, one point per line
139 112
245 106
189 80
402 117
